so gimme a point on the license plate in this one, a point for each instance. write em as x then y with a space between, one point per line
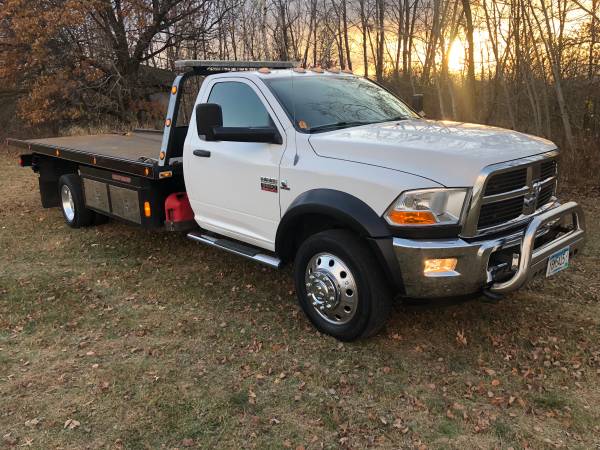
558 261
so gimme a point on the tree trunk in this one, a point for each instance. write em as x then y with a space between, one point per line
470 84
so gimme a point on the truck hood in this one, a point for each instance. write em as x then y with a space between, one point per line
449 153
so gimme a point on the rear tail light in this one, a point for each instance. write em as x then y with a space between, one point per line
25 160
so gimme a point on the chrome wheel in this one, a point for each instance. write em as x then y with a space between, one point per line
68 205
331 288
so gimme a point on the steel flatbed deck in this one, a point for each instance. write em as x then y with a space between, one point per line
134 153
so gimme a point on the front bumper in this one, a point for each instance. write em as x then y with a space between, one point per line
478 267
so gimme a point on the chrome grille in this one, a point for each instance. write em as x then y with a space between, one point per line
548 169
500 212
507 194
507 181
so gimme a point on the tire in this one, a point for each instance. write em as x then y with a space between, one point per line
72 204
347 296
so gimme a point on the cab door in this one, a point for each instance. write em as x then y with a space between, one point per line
233 187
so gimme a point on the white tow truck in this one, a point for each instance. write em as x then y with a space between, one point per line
333 173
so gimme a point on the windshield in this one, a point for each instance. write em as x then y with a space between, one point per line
325 102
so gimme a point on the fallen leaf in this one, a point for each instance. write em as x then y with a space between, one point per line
32 422
461 338
71 424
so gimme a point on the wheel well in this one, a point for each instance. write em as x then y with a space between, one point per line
302 228
308 224
50 170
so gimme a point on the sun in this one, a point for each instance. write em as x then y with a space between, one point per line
457 53
456 56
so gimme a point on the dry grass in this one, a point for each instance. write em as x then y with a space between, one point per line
145 340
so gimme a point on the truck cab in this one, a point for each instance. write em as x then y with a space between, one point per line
334 174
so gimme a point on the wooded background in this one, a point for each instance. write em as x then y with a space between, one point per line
532 65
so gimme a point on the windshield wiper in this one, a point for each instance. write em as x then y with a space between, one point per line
344 124
336 125
392 119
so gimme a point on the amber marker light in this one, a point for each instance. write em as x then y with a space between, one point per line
168 122
439 266
147 210
174 90
57 152
412 217
161 155
264 70
146 171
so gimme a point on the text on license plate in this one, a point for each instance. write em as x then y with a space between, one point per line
558 261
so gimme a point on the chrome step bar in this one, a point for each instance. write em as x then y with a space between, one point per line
237 248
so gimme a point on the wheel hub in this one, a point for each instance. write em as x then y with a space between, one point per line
68 204
331 288
321 287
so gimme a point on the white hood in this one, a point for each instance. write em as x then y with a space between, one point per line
449 153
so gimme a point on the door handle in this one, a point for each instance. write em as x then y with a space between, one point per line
202 153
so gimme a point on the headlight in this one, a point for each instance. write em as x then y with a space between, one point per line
427 207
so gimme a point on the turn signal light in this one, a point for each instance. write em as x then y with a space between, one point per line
438 266
147 210
412 217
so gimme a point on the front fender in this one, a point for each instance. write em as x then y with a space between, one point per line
344 209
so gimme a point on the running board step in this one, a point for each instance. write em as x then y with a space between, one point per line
237 248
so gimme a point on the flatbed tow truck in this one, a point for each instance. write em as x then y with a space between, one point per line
334 173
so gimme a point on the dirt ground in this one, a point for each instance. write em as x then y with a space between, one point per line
115 337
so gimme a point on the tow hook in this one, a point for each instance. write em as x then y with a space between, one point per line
491 297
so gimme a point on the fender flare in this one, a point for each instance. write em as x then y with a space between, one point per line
348 210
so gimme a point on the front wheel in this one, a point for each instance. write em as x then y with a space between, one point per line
340 285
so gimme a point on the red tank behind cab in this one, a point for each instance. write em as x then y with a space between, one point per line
178 212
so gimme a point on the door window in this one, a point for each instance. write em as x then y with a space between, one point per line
240 104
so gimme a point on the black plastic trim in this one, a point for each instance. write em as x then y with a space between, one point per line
349 211
355 213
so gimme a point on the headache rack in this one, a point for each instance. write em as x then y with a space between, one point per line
215 66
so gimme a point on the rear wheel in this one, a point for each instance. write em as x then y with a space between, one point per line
72 203
340 286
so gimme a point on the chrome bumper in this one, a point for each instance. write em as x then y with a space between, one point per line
473 272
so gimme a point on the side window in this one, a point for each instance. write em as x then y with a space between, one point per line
240 104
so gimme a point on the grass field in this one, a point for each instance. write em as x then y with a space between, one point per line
115 337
